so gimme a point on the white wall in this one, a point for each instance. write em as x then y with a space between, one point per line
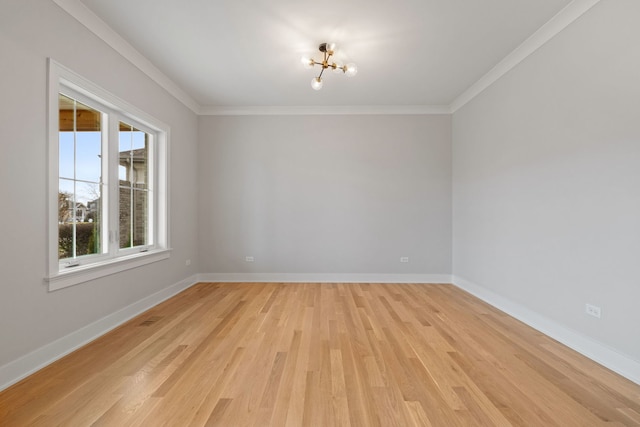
30 316
546 167
325 194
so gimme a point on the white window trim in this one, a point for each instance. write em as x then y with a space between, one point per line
61 77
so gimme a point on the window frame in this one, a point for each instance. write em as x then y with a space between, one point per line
115 259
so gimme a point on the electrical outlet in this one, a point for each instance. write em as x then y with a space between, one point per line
248 259
592 310
187 262
404 259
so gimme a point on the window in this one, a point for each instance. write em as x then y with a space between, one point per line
107 183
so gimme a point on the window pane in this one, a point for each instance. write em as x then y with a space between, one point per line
133 174
134 154
65 201
138 139
88 152
140 216
66 214
93 220
66 158
79 225
134 217
80 171
77 117
125 217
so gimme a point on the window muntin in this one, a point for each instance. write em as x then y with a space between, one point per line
91 132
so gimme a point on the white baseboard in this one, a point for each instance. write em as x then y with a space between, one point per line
26 365
325 278
594 350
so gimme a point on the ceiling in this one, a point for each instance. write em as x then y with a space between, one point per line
239 53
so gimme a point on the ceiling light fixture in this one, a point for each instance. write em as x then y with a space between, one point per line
327 50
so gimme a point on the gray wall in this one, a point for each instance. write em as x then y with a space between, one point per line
30 316
325 194
547 179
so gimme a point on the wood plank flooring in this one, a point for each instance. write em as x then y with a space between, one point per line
268 354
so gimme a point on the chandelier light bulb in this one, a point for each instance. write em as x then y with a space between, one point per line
307 62
351 69
316 83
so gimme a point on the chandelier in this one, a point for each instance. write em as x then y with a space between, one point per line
327 50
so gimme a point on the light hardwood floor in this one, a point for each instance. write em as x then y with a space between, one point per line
322 355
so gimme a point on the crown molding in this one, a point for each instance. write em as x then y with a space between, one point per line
325 110
555 25
86 17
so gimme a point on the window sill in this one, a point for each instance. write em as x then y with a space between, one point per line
94 271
